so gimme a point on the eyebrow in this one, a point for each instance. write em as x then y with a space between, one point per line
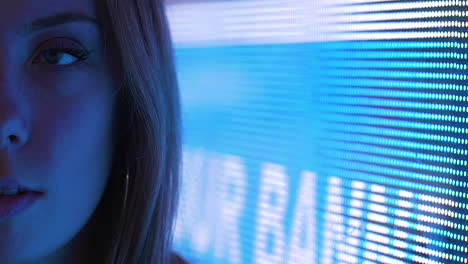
54 20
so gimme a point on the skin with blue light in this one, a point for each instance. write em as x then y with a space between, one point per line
56 117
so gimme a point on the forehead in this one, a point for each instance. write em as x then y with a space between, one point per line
14 13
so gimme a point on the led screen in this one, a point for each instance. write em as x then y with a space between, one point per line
329 131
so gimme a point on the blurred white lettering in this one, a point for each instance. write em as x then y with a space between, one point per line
303 250
271 210
231 195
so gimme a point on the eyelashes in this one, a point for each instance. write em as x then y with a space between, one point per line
62 53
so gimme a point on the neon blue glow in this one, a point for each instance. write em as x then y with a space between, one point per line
324 151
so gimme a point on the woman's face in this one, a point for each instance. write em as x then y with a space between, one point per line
56 120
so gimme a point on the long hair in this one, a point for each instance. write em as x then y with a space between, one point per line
148 134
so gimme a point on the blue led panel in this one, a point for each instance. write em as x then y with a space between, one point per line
331 131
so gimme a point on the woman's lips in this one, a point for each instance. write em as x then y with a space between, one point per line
12 205
11 183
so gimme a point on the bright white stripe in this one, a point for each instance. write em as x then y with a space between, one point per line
439 200
334 181
423 228
436 210
335 208
354 222
358 185
394 6
326 259
377 217
349 249
334 190
285 37
420 259
264 27
356 203
400 244
402 213
335 199
239 4
370 255
405 194
424 240
297 21
389 260
378 208
222 10
355 212
354 233
383 249
401 223
377 198
349 18
352 240
377 188
436 220
328 234
385 259
358 194
382 26
389 35
378 229
221 23
346 258
259 19
337 218
405 204
400 234
348 2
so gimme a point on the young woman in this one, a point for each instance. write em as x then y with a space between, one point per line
89 132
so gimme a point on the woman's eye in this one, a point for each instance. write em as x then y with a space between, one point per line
61 51
57 57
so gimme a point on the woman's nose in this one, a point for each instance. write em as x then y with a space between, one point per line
12 115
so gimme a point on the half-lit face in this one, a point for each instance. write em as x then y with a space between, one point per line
56 117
